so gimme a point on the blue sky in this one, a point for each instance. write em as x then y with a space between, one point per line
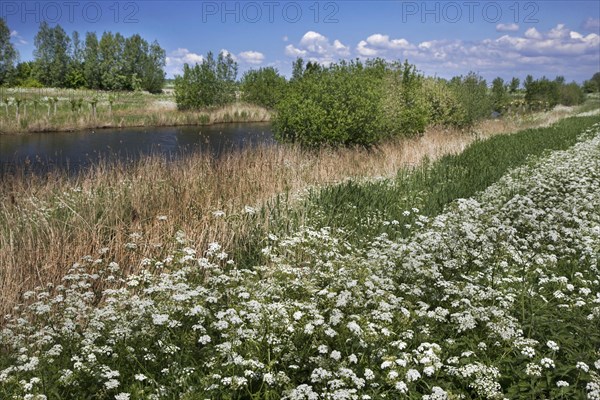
443 38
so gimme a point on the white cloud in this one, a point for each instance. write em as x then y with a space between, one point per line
507 28
533 33
20 41
591 24
177 58
318 48
252 57
379 45
557 51
292 51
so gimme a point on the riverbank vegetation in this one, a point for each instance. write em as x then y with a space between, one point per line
180 281
42 216
47 110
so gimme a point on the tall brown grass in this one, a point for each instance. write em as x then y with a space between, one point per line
47 223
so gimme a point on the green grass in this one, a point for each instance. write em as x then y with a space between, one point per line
358 207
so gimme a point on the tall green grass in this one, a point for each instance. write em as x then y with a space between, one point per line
359 207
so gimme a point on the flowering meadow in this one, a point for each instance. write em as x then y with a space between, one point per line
497 296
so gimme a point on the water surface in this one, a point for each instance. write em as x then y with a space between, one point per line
74 151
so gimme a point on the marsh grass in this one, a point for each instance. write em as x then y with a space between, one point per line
132 211
45 110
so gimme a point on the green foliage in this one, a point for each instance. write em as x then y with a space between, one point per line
514 84
8 54
263 87
91 66
405 107
337 105
541 93
211 83
500 97
472 94
592 85
30 83
571 94
52 55
346 104
444 107
111 63
544 93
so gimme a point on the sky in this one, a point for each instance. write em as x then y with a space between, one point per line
442 38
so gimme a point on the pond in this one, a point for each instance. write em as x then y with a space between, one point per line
76 151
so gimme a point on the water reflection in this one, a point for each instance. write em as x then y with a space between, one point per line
74 151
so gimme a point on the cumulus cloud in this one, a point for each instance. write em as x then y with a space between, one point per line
555 51
252 57
318 48
379 45
507 28
532 33
177 58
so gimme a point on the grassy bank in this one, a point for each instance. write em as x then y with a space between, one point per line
45 110
429 187
48 223
495 297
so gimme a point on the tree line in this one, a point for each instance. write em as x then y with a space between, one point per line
362 102
111 62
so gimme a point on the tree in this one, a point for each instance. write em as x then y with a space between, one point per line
297 69
211 83
226 70
405 107
499 94
76 75
8 54
91 61
342 104
111 63
542 93
263 86
592 85
571 94
51 55
514 85
154 74
472 93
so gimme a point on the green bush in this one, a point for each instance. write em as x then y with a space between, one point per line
263 87
211 83
472 94
444 107
338 105
405 106
571 94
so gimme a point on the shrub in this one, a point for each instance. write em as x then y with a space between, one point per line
571 94
263 87
211 83
336 105
472 94
444 107
405 107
